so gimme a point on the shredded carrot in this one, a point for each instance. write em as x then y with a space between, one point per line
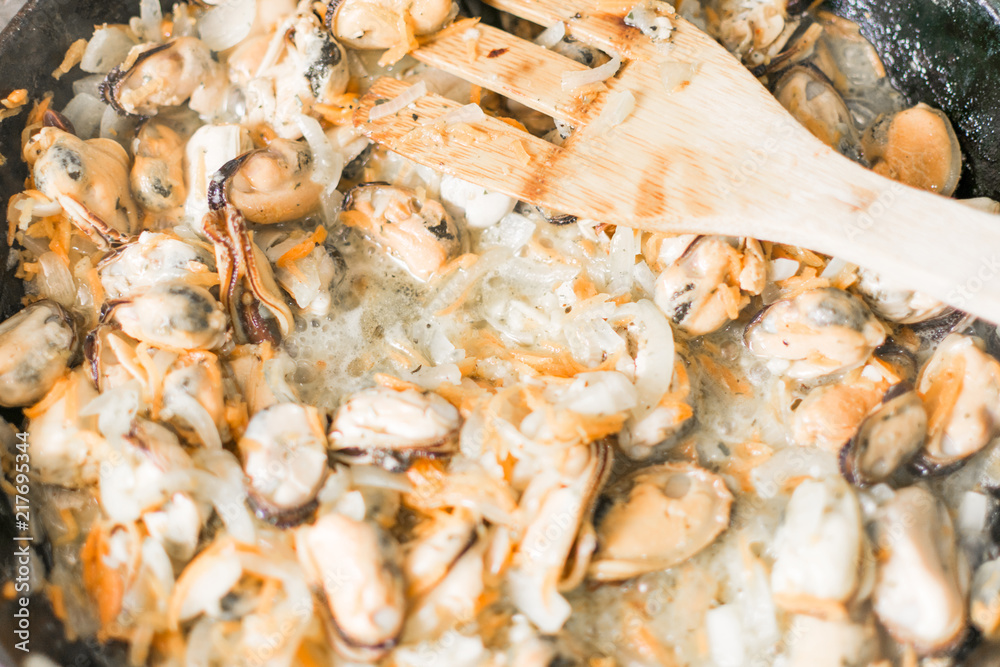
551 360
807 280
732 300
339 110
803 255
513 123
320 9
846 277
37 111
475 94
17 98
57 599
427 477
59 242
355 219
463 261
105 585
407 42
394 383
725 376
457 303
303 656
74 54
54 396
400 359
302 250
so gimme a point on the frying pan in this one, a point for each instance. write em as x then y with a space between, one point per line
943 52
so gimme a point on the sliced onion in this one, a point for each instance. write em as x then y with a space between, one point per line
56 280
724 630
116 409
200 648
117 127
470 113
551 35
224 488
36 247
85 112
782 268
771 477
156 559
356 66
331 201
654 360
398 103
432 377
618 107
599 393
227 24
327 163
621 261
213 577
351 505
675 75
107 49
835 266
573 80
197 417
275 47
151 17
45 209
379 478
463 279
184 24
89 84
644 277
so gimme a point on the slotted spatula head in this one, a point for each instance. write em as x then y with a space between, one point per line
704 147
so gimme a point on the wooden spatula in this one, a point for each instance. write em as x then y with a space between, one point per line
705 149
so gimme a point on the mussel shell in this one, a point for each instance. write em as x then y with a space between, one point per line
36 346
893 434
832 123
110 88
277 516
671 482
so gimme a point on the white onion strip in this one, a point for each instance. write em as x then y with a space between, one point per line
835 266
551 35
151 17
227 24
398 103
574 80
327 163
618 106
470 113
